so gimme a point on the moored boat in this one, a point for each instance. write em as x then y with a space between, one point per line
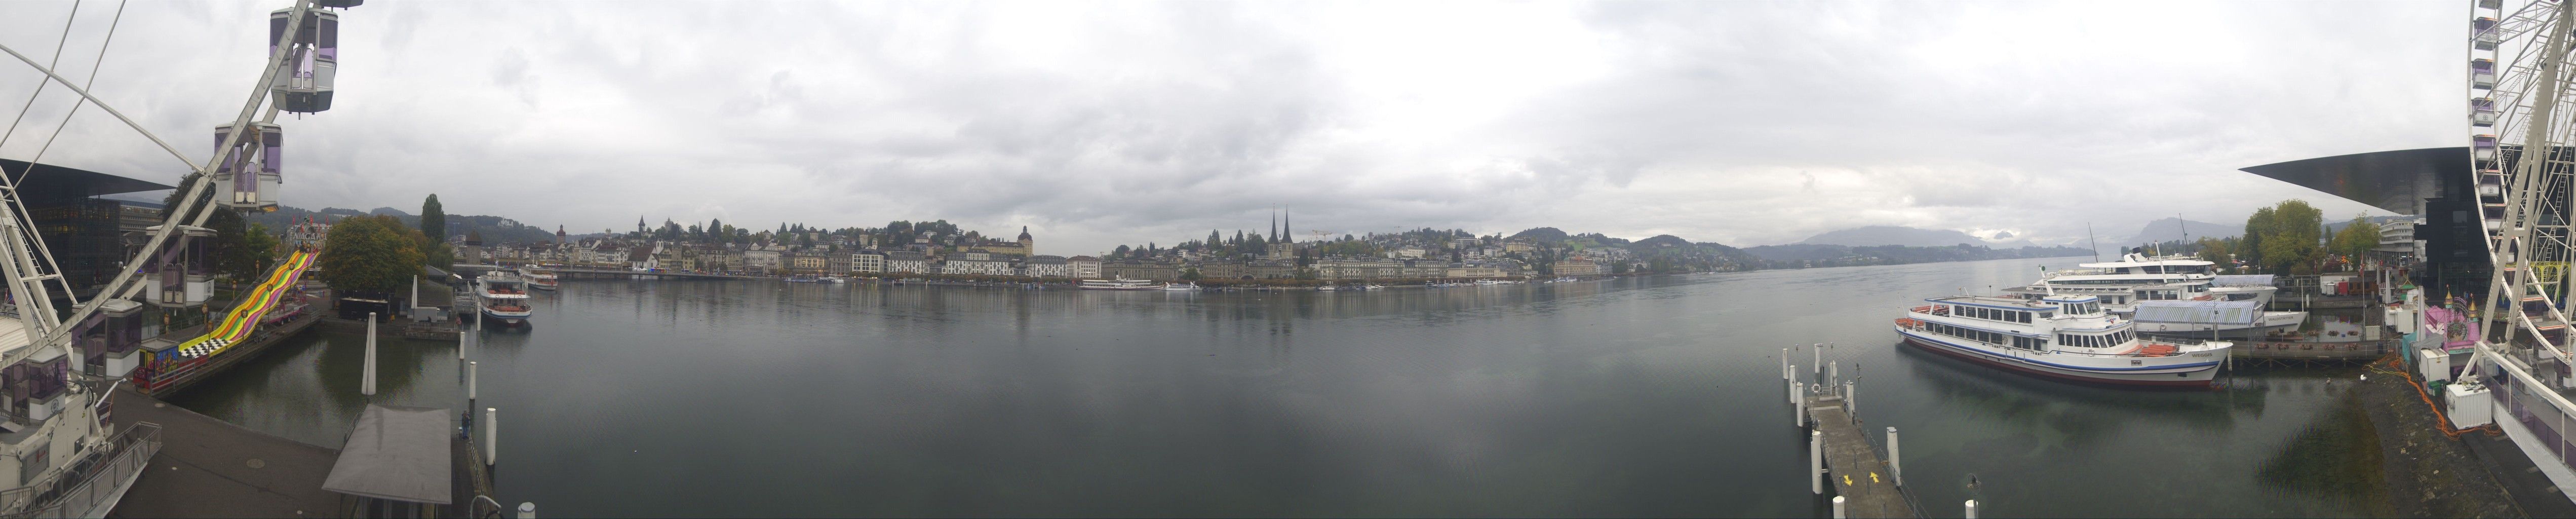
503 297
1119 284
1181 287
539 278
2066 337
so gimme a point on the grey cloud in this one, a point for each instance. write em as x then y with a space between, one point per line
1098 124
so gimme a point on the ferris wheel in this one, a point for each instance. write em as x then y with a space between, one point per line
242 172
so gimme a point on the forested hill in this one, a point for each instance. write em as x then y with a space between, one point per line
1818 255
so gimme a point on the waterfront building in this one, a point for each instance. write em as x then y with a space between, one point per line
984 264
1223 269
868 261
1273 268
1083 267
1133 269
808 262
761 260
837 263
1475 270
907 262
1048 266
1578 267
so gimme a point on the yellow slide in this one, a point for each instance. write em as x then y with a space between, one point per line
245 316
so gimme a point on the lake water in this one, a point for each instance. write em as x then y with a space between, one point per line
1653 396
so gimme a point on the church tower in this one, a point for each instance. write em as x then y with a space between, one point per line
1028 246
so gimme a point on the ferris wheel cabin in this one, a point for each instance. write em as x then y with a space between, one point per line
303 81
249 180
2482 74
184 273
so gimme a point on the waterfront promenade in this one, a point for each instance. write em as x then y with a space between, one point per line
208 467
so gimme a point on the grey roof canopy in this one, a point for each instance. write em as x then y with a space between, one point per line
397 453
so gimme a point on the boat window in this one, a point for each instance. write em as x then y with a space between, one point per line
2154 269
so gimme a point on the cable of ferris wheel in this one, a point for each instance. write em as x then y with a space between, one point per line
20 203
40 84
205 178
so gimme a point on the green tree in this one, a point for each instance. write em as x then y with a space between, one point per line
2357 239
433 219
246 253
2289 236
371 253
1190 274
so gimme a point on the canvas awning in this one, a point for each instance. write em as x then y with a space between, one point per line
396 453
2219 312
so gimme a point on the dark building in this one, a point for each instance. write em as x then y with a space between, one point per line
84 232
2433 183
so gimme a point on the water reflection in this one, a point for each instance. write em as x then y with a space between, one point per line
1645 396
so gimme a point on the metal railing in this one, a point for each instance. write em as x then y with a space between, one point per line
88 484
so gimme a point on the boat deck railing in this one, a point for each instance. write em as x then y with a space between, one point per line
84 486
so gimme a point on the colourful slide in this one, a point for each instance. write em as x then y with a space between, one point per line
245 317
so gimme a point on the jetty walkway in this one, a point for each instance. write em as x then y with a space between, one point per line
1844 463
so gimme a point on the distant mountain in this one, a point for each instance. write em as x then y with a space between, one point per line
2170 229
1799 255
1893 235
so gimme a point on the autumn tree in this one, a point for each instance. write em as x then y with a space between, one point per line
371 254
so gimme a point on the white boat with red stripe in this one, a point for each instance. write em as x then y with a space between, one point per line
2065 337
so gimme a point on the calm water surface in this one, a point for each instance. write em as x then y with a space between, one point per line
1635 397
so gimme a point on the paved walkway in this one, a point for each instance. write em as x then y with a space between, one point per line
210 468
1852 466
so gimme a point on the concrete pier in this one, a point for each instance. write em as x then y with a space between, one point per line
1853 468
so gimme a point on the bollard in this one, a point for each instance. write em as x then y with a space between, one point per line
1784 364
471 379
1972 509
1793 391
1850 407
527 511
491 437
1816 461
1833 372
1895 460
1818 351
367 380
1838 508
1800 406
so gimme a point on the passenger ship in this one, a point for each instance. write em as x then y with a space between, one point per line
503 296
1119 284
2066 337
539 278
2181 295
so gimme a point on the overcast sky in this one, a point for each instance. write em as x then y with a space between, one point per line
1746 123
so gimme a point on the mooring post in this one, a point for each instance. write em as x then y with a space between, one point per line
491 436
1818 351
367 379
471 380
1895 459
1799 404
1972 509
1833 372
527 511
1850 407
1816 461
1793 388
1838 508
1784 364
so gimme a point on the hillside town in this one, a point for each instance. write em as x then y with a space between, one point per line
940 250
